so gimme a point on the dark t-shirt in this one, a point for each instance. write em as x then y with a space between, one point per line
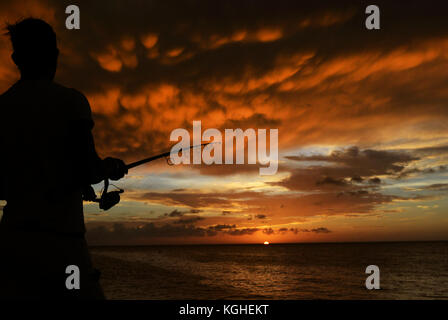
37 160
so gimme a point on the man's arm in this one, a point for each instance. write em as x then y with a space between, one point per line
88 167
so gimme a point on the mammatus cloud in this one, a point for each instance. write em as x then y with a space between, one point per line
146 78
377 100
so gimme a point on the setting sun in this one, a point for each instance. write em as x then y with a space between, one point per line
266 242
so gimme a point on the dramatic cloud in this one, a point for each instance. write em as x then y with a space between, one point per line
346 168
174 213
270 231
361 114
242 232
119 232
152 70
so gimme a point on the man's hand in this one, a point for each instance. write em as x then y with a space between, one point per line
114 169
88 193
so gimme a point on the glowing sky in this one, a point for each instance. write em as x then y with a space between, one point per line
362 115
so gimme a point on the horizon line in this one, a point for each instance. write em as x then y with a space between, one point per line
262 244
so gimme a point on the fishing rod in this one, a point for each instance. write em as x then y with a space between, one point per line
162 155
110 199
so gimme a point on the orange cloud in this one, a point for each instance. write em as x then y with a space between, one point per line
269 34
312 76
105 103
174 52
109 61
114 58
149 40
128 43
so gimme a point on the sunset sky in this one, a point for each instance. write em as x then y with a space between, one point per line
362 115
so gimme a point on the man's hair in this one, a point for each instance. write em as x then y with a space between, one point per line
33 40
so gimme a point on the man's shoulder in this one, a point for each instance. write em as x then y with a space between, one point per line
5 101
55 87
79 105
8 92
71 93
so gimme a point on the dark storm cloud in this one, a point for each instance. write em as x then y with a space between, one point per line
417 171
364 162
326 202
147 231
320 230
270 231
331 181
189 220
221 227
256 120
139 62
346 168
174 213
192 24
375 180
222 55
185 217
242 232
315 230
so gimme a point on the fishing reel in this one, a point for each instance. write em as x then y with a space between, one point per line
107 199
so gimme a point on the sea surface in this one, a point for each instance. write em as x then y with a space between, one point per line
408 270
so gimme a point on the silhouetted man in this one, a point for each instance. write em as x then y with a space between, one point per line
47 157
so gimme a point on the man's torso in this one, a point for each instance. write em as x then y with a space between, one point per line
37 162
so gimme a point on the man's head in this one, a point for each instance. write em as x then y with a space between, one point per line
35 49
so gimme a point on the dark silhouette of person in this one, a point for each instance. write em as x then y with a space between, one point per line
47 158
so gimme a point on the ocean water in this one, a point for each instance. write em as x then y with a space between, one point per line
408 270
